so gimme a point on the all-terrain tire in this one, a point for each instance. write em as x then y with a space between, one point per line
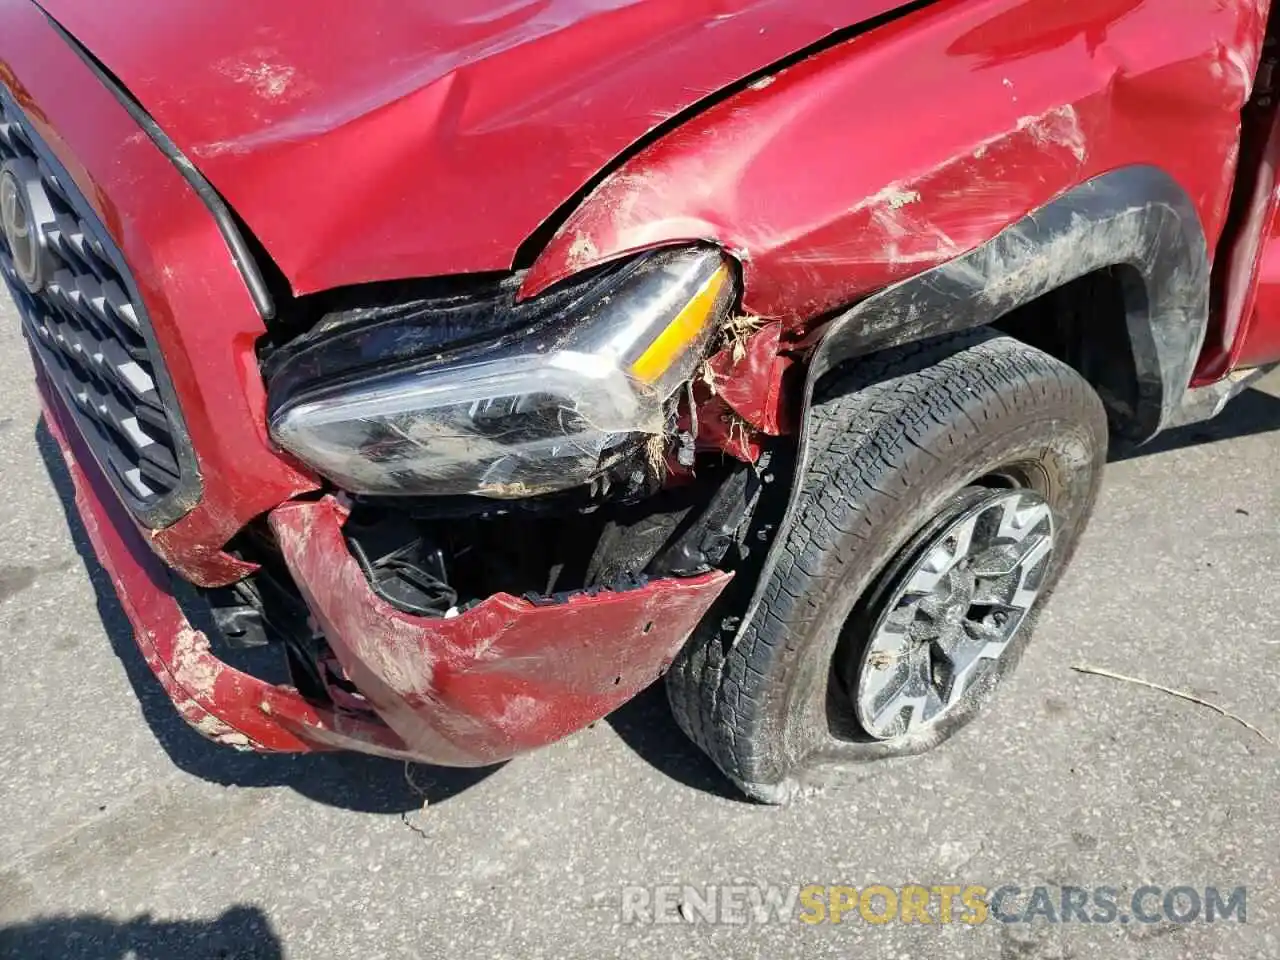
895 437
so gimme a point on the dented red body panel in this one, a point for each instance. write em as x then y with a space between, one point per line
909 145
1259 340
400 139
200 311
224 704
1249 332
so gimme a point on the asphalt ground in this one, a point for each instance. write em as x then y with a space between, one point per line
125 834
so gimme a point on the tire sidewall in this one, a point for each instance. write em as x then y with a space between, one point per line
1066 441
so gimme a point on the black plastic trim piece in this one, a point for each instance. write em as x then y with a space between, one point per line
1137 216
241 255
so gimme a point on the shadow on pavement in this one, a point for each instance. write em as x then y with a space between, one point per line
348 780
1252 412
242 933
646 725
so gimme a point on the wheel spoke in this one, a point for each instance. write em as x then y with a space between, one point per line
964 661
1024 596
888 714
1004 558
963 536
927 709
886 666
910 695
904 614
993 592
955 544
1020 517
930 574
997 562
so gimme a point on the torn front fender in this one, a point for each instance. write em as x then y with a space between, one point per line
911 144
506 675
1137 217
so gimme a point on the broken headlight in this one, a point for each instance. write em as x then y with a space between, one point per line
547 410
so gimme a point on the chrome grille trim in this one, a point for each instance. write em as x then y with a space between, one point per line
89 328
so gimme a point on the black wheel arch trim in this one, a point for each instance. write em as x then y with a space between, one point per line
1136 216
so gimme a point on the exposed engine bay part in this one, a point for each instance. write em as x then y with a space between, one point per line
438 559
264 607
239 613
408 574
715 536
629 544
439 562
383 407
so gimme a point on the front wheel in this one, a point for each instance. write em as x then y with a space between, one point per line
949 484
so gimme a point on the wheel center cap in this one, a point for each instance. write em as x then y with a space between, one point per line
961 598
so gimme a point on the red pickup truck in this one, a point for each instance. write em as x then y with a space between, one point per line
489 359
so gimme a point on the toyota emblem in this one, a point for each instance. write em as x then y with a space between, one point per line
21 231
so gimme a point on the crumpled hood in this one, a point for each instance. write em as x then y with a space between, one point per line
368 140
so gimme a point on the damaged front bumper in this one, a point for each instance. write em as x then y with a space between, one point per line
502 677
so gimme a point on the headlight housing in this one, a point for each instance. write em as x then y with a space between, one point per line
547 410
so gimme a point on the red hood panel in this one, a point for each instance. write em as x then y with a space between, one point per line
385 139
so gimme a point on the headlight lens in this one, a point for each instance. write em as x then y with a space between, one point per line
550 412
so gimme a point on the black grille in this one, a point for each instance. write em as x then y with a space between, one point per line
88 326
